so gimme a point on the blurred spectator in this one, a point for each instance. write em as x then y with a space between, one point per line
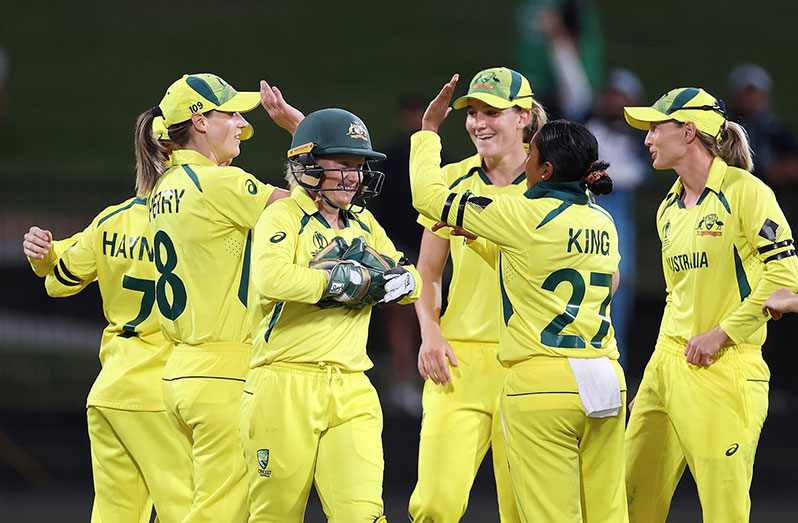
394 210
621 146
774 145
560 48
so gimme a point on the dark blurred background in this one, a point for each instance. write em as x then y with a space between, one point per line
75 75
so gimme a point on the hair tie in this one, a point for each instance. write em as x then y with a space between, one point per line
156 111
594 174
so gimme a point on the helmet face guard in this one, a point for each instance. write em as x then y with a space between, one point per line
309 175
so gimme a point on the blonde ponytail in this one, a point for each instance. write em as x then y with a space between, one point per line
734 148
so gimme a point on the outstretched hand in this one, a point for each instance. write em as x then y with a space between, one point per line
456 231
438 109
36 243
281 112
781 301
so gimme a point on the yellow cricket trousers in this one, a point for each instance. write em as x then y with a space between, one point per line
461 420
706 417
565 467
202 393
138 458
303 423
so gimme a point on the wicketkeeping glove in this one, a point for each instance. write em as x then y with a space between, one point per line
352 285
399 282
330 255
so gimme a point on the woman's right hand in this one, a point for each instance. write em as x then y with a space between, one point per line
284 114
432 357
36 243
438 109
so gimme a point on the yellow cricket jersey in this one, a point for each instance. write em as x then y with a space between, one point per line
43 267
116 249
467 319
723 257
201 216
555 254
287 325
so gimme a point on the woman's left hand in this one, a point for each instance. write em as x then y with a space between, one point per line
456 231
284 114
701 348
438 109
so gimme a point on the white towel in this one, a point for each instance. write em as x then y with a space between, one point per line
598 385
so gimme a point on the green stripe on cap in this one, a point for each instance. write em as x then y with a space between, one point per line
682 98
515 84
202 88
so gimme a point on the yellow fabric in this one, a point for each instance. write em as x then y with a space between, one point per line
288 325
708 418
467 319
136 455
685 104
42 268
550 237
461 420
203 402
307 423
204 214
714 256
564 466
203 92
116 250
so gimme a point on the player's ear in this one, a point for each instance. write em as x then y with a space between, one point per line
200 122
690 131
548 171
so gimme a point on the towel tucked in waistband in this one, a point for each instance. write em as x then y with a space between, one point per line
598 385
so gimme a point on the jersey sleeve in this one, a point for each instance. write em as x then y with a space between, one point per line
75 268
497 219
237 195
43 267
768 232
384 245
275 274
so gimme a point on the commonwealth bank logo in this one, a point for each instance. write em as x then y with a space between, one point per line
263 462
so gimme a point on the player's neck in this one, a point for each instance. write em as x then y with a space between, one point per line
504 170
693 170
330 213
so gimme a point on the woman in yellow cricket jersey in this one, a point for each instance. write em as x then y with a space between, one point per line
726 247
556 255
138 456
201 217
461 404
309 412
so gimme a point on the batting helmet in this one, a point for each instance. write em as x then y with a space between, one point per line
333 131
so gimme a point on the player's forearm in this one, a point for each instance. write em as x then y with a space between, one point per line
285 281
427 185
747 318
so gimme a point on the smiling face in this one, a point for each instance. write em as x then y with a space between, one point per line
495 132
224 134
341 178
666 143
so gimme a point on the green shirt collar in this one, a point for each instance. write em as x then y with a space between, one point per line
573 192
